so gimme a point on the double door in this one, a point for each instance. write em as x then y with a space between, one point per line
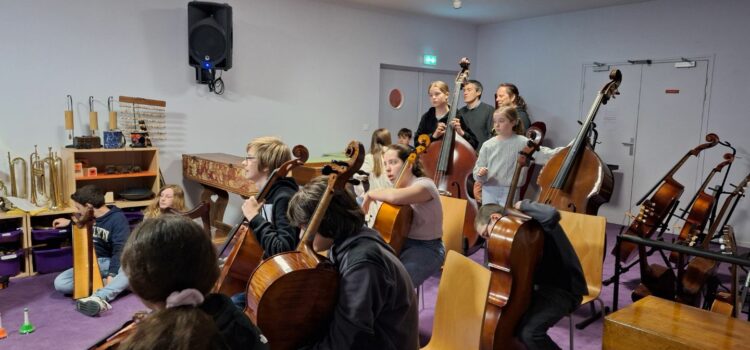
645 130
403 109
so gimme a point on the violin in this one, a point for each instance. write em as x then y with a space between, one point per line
514 249
292 295
450 161
247 253
576 179
393 222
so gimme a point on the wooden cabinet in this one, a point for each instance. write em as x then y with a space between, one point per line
117 170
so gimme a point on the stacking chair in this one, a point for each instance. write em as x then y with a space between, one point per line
461 300
587 235
454 211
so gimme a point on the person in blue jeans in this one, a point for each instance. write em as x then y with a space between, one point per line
111 231
423 251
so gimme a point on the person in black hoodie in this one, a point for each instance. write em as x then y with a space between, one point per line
559 283
433 122
111 230
268 219
172 267
377 305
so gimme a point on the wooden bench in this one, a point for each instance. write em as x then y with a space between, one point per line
655 323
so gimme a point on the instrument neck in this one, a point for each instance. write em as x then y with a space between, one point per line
312 227
401 180
513 186
578 144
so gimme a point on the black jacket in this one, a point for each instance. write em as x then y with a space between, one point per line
377 306
559 266
428 124
237 332
274 233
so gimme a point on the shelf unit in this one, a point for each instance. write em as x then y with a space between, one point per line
146 158
8 222
44 219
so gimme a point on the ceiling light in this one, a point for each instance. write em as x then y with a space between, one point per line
456 4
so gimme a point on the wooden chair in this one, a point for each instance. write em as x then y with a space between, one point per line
202 211
454 211
461 300
587 235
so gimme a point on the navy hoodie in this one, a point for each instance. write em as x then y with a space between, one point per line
271 225
111 231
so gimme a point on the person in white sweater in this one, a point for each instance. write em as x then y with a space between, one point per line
499 155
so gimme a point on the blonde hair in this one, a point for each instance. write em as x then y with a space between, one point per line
381 139
270 151
178 202
441 85
511 114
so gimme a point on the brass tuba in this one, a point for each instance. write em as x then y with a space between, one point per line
46 180
18 164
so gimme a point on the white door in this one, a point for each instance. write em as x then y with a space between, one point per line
669 125
412 88
659 111
399 100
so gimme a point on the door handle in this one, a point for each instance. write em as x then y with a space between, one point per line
630 145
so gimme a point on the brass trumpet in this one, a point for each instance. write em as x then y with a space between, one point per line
37 179
17 164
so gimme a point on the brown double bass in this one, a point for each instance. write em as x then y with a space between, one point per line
394 221
576 179
247 253
514 249
450 161
655 209
291 296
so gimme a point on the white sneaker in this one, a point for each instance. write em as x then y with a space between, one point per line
92 306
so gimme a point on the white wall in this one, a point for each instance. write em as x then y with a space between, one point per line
303 70
544 57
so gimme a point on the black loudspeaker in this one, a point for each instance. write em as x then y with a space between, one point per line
209 36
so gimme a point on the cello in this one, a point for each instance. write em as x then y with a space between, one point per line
699 269
576 179
394 221
655 209
247 253
700 210
291 296
514 250
450 161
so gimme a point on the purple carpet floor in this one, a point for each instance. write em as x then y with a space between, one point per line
59 326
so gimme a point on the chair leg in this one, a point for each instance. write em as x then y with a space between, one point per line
570 326
595 315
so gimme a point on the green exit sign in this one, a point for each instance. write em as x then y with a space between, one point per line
429 60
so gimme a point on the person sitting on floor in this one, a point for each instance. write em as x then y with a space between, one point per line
111 230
